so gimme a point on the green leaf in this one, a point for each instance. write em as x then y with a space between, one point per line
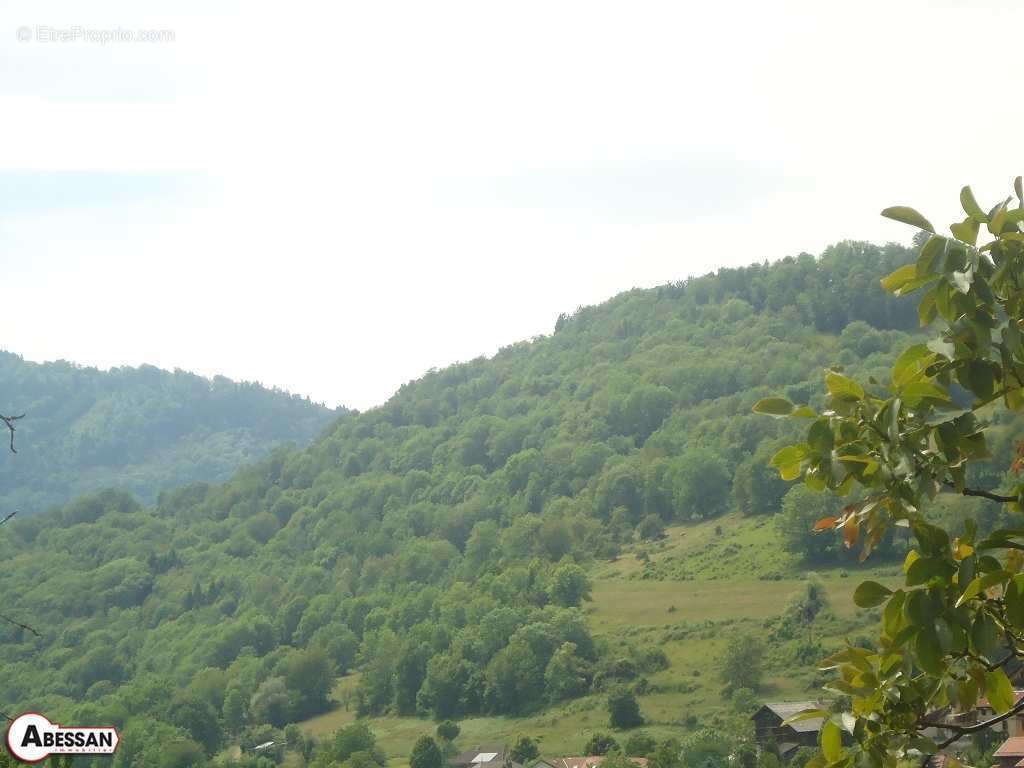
915 393
925 569
997 218
984 635
896 280
789 455
999 691
805 714
819 437
933 539
924 745
892 614
973 589
971 207
928 650
909 216
870 593
926 309
1018 187
978 377
911 364
1015 601
831 741
966 231
789 459
843 387
774 406
930 252
944 301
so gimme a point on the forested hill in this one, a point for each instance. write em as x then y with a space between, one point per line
142 429
440 543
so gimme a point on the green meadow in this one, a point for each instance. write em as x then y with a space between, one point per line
677 593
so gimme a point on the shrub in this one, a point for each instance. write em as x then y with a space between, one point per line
524 750
640 744
600 744
448 730
623 709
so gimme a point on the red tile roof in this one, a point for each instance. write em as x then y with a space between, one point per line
1017 696
1012 747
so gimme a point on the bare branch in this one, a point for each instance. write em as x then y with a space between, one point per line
18 624
989 495
984 494
9 421
8 517
960 731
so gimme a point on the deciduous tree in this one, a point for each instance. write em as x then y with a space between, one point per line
955 625
426 754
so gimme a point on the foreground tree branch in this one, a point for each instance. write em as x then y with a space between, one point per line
895 445
959 731
988 495
9 423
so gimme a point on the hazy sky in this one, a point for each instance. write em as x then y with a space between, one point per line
333 198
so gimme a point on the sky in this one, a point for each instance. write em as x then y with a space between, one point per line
334 198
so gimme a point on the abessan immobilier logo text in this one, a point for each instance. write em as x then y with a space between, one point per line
32 738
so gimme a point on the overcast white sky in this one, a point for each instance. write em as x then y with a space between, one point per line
333 198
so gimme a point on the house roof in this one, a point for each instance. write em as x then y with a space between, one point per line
1017 696
1012 747
493 752
786 709
787 748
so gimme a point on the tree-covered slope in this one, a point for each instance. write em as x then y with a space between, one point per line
439 544
142 429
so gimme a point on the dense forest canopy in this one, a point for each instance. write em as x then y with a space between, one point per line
142 429
439 544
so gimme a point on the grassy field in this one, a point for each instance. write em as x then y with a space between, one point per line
701 583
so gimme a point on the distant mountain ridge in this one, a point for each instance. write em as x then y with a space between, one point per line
141 429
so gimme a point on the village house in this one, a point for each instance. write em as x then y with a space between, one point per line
771 732
582 762
1010 753
1014 726
483 756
